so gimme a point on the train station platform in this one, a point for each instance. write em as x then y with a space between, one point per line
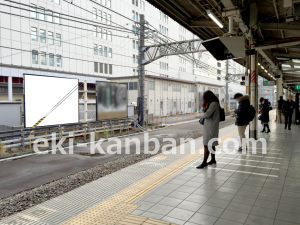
167 189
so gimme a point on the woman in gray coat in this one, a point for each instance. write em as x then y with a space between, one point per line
211 115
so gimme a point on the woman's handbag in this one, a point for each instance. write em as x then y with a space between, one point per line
201 121
222 114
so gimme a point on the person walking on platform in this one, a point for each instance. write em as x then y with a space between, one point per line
210 120
265 118
242 118
288 109
279 109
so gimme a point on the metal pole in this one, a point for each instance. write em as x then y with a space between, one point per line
141 71
85 100
253 95
227 89
10 89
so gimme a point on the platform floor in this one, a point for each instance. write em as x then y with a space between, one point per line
168 189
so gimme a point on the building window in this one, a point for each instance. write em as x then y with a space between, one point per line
100 50
95 49
35 57
50 38
58 61
109 19
165 86
133 58
109 36
109 3
105 68
133 72
133 14
94 31
100 33
176 87
99 15
133 44
216 91
101 67
137 17
57 2
33 10
219 72
218 78
137 45
105 51
174 104
110 52
203 88
34 34
189 104
50 16
51 59
95 67
219 64
43 58
42 13
110 69
94 13
104 34
43 36
58 40
104 17
56 18
151 85
132 86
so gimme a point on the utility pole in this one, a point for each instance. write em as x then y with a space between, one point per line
227 89
141 72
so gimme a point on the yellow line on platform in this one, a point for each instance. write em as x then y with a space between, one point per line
116 209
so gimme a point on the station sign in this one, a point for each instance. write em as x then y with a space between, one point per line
297 87
269 83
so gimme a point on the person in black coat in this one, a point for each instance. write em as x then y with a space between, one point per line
288 109
265 118
241 115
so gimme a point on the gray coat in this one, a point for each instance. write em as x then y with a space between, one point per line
211 123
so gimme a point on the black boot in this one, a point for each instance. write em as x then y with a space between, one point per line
264 128
204 163
213 157
268 129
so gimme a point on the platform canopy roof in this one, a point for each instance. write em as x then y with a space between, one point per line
273 26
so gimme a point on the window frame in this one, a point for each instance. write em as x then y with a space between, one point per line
43 38
58 64
35 53
51 59
43 58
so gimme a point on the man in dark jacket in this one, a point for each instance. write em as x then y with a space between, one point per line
279 109
288 109
242 120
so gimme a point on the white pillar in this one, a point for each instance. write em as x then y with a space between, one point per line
279 85
10 89
85 100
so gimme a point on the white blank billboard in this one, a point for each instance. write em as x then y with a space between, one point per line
43 93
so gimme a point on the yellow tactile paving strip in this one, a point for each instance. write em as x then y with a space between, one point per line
118 207
137 220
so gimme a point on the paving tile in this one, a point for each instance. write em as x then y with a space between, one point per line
228 190
223 196
266 204
193 184
187 189
160 209
210 210
145 205
238 207
264 212
244 200
197 198
204 192
266 196
181 214
179 195
171 186
247 193
170 201
258 220
190 206
177 181
152 215
203 219
234 216
137 212
163 192
154 198
226 222
289 208
173 220
217 203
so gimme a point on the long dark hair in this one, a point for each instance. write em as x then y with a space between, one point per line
208 98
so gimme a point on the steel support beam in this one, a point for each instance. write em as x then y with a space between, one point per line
253 95
280 26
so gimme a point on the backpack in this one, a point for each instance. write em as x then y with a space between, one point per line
222 114
251 113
